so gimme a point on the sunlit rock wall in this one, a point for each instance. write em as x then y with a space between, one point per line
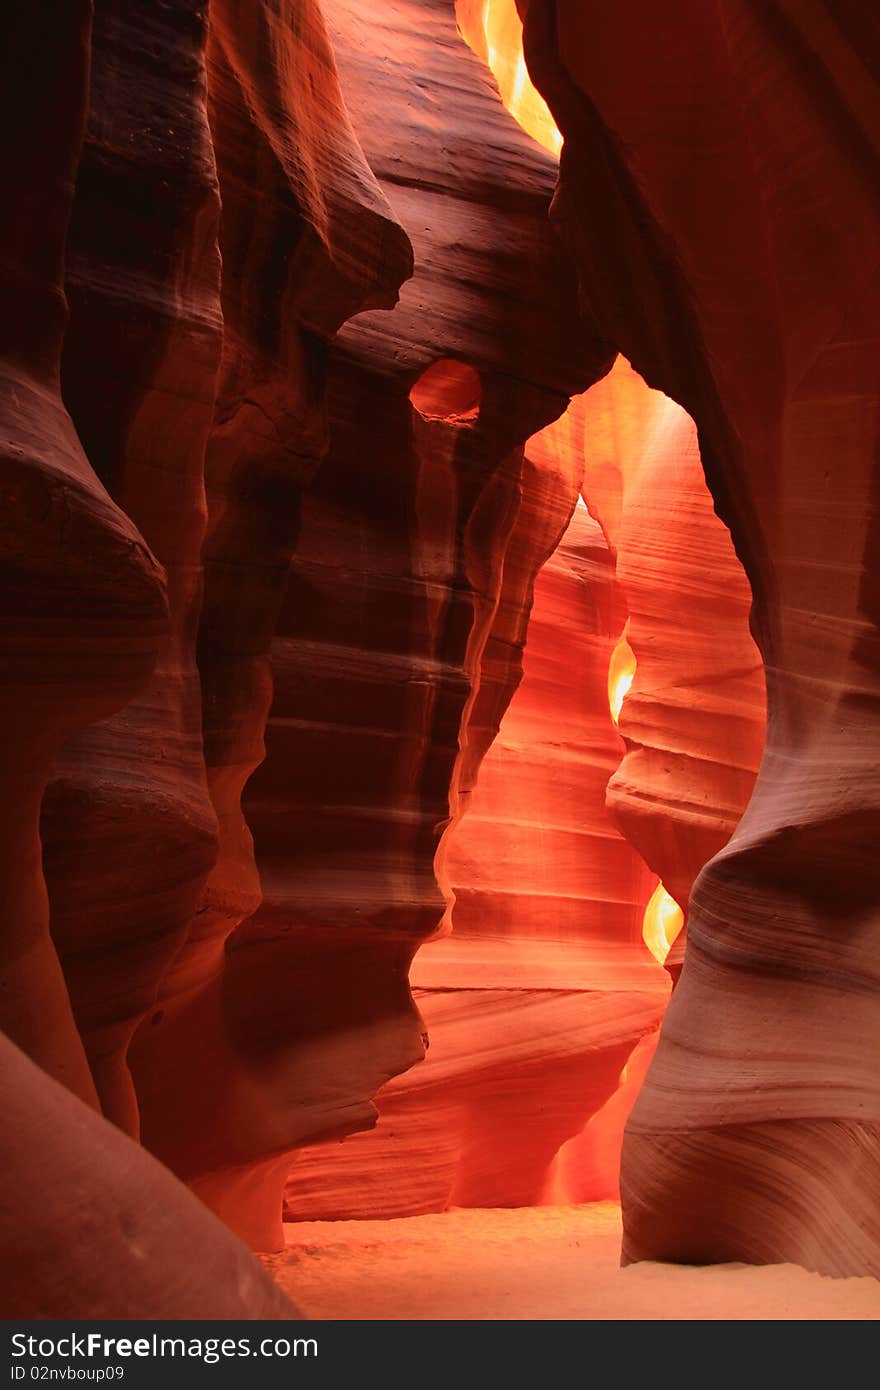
535 1001
693 716
90 1224
399 640
718 188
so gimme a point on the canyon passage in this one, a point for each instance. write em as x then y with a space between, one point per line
439 616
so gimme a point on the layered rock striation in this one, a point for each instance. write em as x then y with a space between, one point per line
91 1225
693 713
718 188
535 1001
306 640
398 643
306 238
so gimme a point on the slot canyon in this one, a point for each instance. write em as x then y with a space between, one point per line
440 618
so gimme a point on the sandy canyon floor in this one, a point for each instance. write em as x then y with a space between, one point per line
541 1263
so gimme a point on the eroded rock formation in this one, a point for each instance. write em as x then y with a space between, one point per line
693 712
83 599
239 474
535 1001
93 1227
679 793
89 1223
744 285
306 238
401 621
390 676
128 829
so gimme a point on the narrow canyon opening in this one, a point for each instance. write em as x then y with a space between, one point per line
624 757
610 772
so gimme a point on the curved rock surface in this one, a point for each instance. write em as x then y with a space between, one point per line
93 1227
128 830
230 482
693 717
393 591
536 999
89 1224
754 305
83 606
306 238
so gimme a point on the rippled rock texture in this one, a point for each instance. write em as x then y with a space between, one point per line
350 530
310 759
719 190
536 1000
693 717
85 618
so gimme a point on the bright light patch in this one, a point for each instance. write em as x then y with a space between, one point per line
502 31
621 670
662 923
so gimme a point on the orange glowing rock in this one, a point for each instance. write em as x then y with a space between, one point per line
399 643
726 235
536 1000
373 556
448 390
691 708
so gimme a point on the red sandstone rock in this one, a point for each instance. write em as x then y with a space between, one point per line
535 1000
93 1227
306 238
693 717
90 1225
394 588
718 195
82 602
128 828
718 189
